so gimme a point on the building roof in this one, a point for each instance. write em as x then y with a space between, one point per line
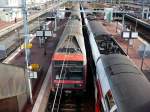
12 81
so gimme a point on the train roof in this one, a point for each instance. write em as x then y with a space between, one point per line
105 42
98 28
75 14
130 88
72 29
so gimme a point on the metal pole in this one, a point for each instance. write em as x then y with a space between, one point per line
19 38
123 22
45 47
39 21
116 26
26 42
143 57
129 41
142 9
55 24
136 24
128 46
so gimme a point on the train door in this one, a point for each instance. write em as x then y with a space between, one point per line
99 97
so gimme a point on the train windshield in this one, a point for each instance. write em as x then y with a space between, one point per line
68 71
70 76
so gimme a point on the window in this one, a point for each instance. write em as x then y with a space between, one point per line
114 109
110 101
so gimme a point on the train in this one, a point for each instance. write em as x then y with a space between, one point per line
69 60
8 45
119 85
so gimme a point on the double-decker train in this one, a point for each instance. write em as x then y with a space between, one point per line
120 86
69 60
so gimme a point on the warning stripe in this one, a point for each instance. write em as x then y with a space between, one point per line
69 57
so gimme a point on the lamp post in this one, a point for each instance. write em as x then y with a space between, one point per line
142 62
136 24
142 9
123 22
26 43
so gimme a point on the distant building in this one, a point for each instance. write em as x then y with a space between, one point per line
12 13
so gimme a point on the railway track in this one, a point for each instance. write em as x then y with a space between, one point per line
75 101
72 102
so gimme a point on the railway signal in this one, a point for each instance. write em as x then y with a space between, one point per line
26 46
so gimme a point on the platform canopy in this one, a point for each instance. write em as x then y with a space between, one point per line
12 81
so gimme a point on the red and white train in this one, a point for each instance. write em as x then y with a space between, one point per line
69 60
119 85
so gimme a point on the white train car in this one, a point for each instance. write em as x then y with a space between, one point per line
7 45
120 86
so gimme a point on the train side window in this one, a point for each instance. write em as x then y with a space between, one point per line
114 109
109 99
57 76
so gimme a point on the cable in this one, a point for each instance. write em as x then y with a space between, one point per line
59 79
62 86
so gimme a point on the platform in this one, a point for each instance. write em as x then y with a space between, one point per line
133 50
37 57
12 26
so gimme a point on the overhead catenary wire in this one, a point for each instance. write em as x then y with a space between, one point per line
62 85
69 40
60 78
60 75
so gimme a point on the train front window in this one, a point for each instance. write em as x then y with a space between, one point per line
70 76
70 71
